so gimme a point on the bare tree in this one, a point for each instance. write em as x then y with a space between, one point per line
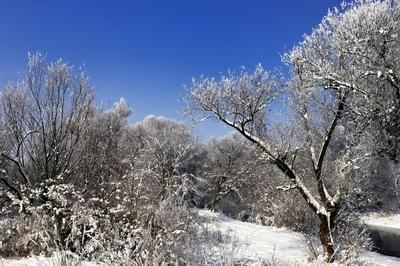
43 119
167 158
241 102
224 172
230 171
355 51
344 78
106 148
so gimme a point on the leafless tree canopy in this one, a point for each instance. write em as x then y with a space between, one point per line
43 118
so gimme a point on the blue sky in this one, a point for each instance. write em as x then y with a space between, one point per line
145 51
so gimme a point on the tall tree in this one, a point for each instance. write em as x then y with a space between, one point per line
241 103
344 79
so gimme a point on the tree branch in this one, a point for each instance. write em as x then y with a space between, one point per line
318 169
11 188
310 199
20 169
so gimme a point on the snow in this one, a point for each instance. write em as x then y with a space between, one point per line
263 242
388 221
267 242
375 259
44 261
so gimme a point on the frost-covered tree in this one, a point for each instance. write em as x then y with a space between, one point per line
224 172
354 51
345 77
241 102
168 158
106 149
43 118
229 173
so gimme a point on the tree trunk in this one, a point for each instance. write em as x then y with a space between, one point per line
325 235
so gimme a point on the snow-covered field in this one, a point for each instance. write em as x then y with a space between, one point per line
255 242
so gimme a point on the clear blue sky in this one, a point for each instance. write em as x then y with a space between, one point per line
146 50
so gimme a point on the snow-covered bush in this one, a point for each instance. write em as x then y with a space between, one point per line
55 217
169 233
353 237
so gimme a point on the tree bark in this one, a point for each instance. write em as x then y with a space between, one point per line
325 235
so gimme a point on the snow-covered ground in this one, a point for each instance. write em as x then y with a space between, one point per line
375 259
56 260
255 242
262 242
266 242
388 221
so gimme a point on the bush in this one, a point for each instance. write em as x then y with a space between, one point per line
352 236
169 232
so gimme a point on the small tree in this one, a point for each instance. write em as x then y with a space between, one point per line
224 172
167 158
230 171
43 119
